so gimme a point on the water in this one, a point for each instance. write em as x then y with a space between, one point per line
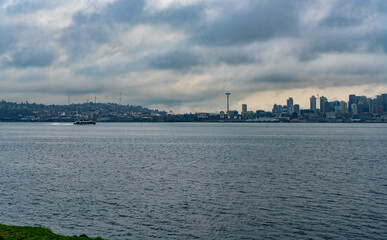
196 180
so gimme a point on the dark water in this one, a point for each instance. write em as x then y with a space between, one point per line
196 181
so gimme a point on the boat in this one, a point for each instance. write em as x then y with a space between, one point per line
85 122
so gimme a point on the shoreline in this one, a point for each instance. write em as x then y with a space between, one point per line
277 122
11 232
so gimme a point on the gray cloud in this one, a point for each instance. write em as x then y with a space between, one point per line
80 40
103 72
20 7
6 41
118 11
347 14
278 78
28 57
177 60
259 22
186 48
187 17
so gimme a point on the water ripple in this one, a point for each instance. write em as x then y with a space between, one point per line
197 181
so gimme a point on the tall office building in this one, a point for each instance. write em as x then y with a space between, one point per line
284 110
244 111
244 108
323 104
297 109
280 110
313 103
379 103
228 102
277 110
289 104
362 105
384 101
343 107
353 99
371 105
354 108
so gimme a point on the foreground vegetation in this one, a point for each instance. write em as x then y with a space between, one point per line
8 232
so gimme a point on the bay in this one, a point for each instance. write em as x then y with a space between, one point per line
196 180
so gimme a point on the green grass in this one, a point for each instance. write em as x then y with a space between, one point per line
8 232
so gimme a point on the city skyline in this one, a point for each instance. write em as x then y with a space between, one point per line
357 109
228 104
183 55
290 105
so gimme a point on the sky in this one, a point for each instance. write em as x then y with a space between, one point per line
183 55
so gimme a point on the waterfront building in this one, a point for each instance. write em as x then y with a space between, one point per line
244 111
379 110
352 100
343 107
221 115
381 100
297 109
362 105
354 109
371 105
332 106
284 110
323 104
384 99
313 103
232 114
337 109
244 108
289 105
260 113
277 110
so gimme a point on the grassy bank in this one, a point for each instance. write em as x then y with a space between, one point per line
8 232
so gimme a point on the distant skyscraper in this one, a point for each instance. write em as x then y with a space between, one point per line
244 110
280 110
297 109
371 105
313 103
275 111
284 110
323 103
379 101
228 102
384 100
362 105
290 105
352 100
343 107
354 108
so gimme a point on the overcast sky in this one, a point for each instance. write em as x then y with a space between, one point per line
182 55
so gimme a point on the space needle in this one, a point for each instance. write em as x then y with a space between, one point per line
228 101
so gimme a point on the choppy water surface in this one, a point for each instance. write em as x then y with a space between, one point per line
191 180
